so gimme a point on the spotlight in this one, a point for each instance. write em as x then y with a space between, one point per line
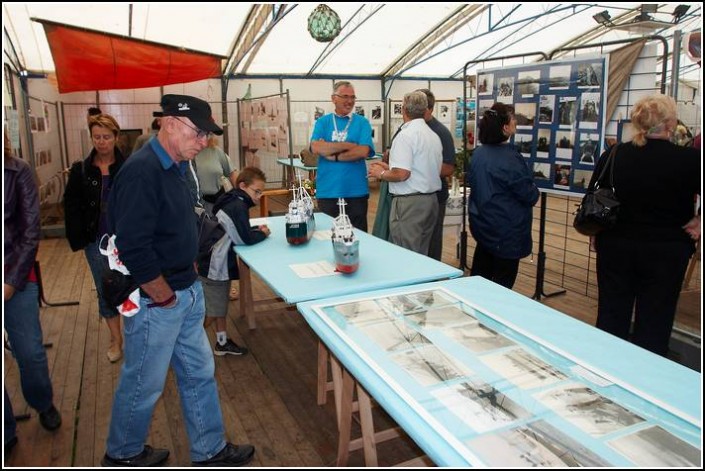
602 18
649 7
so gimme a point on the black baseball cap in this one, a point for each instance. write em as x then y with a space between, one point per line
195 109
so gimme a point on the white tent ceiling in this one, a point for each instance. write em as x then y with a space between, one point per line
374 38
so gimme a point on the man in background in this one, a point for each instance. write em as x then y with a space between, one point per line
435 249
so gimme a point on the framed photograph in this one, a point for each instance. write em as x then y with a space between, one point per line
126 140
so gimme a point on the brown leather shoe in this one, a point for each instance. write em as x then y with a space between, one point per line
114 352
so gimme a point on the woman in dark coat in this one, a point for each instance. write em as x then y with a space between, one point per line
502 195
85 208
641 262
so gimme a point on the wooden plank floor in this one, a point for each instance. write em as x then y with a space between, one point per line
268 397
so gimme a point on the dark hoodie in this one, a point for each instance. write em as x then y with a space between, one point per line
232 210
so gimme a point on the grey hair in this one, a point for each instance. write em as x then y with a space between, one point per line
429 96
415 104
342 83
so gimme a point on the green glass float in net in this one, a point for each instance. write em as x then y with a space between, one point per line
323 24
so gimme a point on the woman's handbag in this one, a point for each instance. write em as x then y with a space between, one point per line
599 208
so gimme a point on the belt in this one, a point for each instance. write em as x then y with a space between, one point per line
412 194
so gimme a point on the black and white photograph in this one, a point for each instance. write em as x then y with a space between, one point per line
534 445
567 111
443 113
588 148
399 305
318 112
547 105
543 143
559 77
394 336
655 447
565 142
505 90
360 109
429 366
525 114
376 114
477 337
362 311
479 405
542 171
484 105
432 298
588 410
524 143
523 369
528 82
441 316
581 179
589 75
589 110
485 83
561 175
396 107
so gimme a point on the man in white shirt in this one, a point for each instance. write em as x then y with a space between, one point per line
412 173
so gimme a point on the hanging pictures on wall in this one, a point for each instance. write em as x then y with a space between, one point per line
560 113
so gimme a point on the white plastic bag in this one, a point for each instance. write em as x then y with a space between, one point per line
131 305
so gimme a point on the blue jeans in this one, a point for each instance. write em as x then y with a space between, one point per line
98 263
21 321
155 338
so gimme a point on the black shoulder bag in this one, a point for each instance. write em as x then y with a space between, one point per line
599 208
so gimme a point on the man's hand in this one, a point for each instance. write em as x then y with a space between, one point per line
9 291
693 228
264 228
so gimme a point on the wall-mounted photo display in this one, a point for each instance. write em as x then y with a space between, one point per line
559 108
396 109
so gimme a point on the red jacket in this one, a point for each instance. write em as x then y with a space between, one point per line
21 222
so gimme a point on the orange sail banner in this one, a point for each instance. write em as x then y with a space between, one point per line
91 60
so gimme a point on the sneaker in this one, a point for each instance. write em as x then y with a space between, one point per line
50 419
149 457
230 348
231 455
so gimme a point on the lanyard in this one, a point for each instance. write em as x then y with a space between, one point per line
342 135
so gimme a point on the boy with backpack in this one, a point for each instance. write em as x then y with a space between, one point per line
217 264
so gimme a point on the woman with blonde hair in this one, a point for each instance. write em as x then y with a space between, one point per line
85 207
641 262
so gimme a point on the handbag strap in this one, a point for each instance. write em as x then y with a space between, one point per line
610 163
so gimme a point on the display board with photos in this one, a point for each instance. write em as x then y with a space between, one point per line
497 395
560 111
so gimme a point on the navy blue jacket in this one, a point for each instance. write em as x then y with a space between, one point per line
150 211
502 194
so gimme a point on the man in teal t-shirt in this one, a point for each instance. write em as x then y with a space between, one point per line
343 140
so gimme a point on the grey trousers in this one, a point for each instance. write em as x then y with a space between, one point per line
412 220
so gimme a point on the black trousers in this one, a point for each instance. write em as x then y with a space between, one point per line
356 209
643 277
502 271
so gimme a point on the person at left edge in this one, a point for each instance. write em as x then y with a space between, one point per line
343 140
151 212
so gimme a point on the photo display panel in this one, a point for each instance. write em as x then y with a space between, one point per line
560 112
501 396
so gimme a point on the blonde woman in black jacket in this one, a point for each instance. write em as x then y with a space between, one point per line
85 208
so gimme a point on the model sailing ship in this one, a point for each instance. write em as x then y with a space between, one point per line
346 247
300 223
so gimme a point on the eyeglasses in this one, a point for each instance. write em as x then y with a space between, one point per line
200 134
346 97
257 192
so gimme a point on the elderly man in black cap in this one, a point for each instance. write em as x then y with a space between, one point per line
151 212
